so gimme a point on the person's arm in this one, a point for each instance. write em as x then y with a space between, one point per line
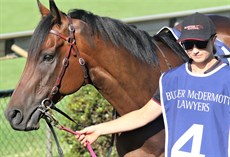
127 122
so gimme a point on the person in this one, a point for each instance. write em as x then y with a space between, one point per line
194 99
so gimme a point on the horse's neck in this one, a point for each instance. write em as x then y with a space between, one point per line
124 81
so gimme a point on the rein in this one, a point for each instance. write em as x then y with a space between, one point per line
47 104
52 121
163 55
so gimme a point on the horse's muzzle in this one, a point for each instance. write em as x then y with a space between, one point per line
21 123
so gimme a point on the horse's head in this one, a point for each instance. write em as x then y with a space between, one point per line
59 49
50 69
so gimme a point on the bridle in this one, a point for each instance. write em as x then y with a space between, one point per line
72 48
47 104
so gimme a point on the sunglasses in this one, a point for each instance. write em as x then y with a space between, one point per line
190 44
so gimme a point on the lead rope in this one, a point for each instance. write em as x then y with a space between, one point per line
90 149
49 117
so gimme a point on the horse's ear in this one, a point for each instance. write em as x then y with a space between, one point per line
43 10
55 12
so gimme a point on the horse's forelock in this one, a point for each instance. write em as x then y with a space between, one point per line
39 35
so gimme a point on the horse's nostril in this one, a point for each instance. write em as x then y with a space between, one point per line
15 117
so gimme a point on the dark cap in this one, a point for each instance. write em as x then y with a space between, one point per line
197 27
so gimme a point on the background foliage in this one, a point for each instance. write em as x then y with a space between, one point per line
88 107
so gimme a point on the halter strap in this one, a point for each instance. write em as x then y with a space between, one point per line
72 48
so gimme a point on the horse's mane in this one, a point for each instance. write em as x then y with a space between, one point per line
136 41
168 39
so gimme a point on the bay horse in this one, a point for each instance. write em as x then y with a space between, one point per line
123 63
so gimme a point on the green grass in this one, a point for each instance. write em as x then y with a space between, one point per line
10 72
18 15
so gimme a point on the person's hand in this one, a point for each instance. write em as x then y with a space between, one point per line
88 134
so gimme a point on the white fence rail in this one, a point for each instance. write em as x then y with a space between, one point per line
151 24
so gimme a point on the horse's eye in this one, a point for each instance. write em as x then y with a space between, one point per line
48 58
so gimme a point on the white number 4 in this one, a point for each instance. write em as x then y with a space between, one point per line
195 131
